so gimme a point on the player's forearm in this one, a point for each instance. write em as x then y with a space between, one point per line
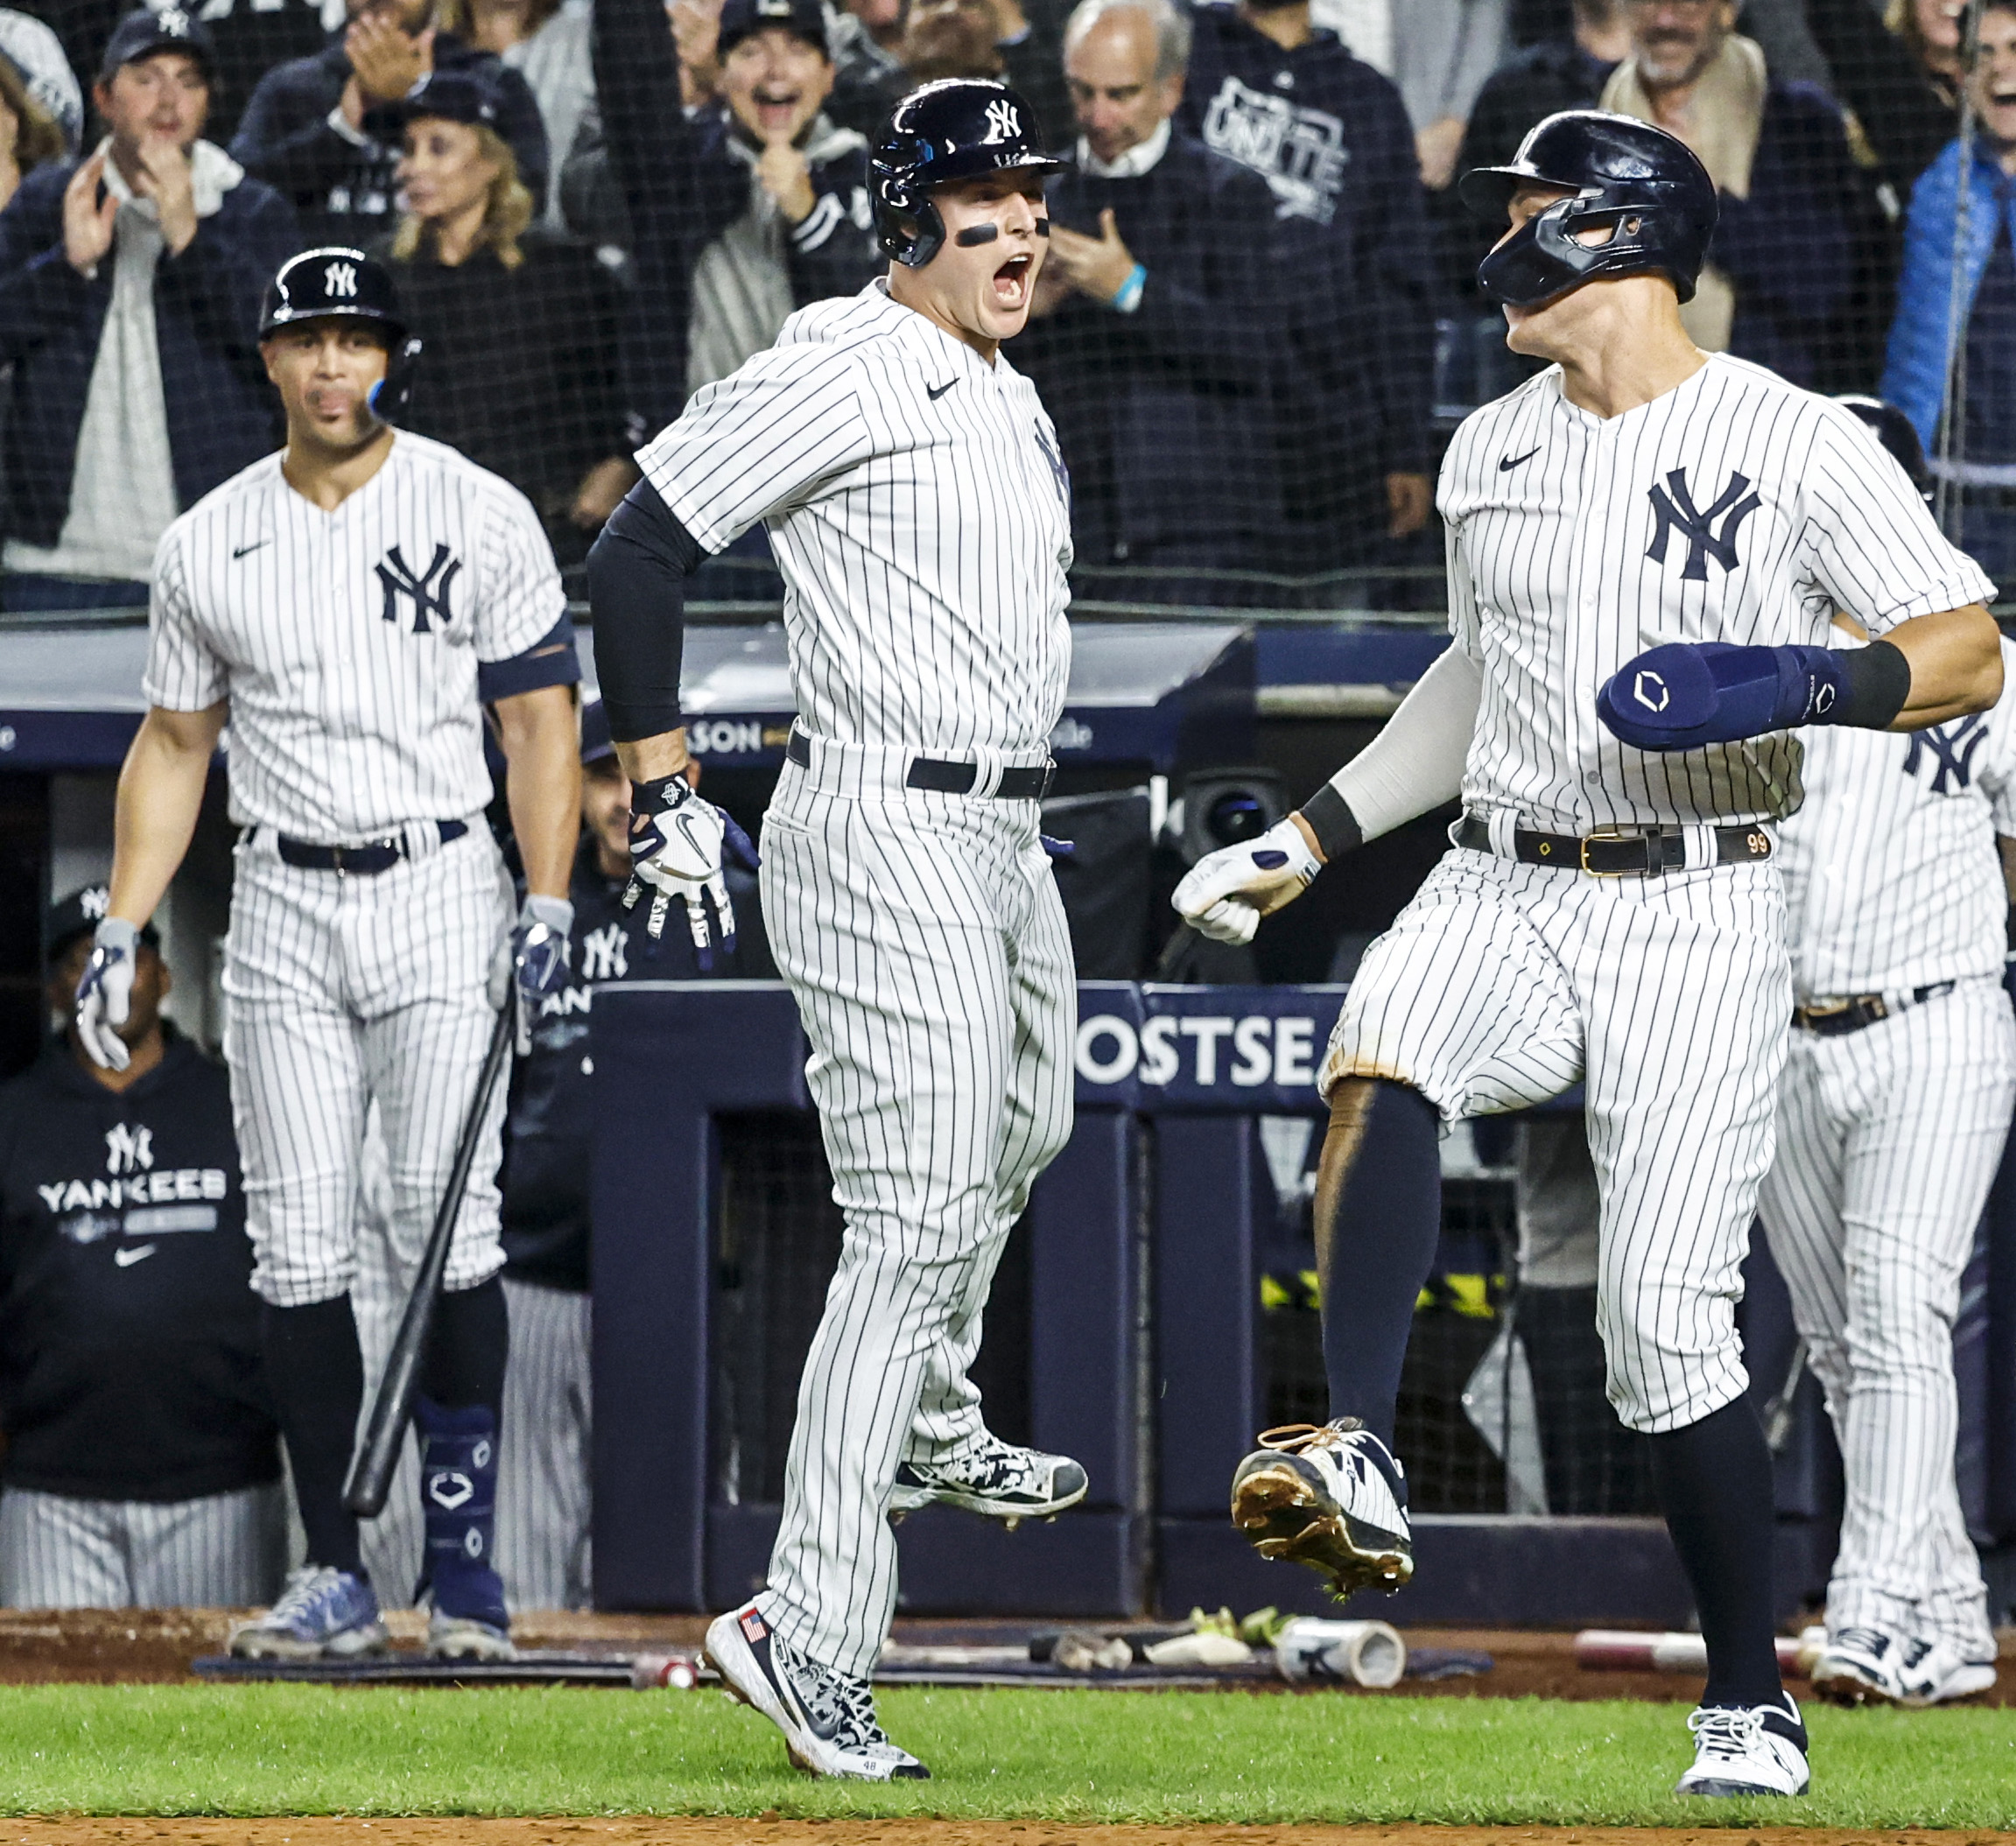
543 784
637 571
652 758
1414 766
161 789
1956 662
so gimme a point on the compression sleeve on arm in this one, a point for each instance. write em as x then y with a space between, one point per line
1413 765
637 571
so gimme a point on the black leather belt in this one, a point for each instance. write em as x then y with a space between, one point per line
1836 1018
943 776
365 861
1638 854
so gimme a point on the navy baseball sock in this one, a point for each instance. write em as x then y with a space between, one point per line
468 1348
1378 1220
1713 1480
315 1371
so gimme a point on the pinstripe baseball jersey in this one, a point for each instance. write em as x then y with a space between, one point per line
920 512
349 643
1734 508
1891 873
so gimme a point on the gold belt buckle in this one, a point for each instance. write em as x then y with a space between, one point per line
1610 833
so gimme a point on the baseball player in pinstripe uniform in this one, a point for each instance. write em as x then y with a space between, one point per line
1892 1120
349 605
1646 546
910 482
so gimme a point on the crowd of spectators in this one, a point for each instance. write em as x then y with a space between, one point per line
1259 317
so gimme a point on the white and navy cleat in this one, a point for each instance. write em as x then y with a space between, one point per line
1936 1673
828 1718
1330 1496
1746 1750
1861 1665
323 1614
996 1479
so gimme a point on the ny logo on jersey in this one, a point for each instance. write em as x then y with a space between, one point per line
1004 124
127 1150
1676 508
430 592
1952 748
339 279
605 954
1059 471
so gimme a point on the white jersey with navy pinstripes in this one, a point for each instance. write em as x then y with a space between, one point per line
920 513
1891 878
348 641
1734 508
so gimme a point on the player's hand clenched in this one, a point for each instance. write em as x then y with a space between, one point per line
676 843
104 996
1225 895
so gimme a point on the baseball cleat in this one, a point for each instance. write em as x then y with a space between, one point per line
828 1718
465 1637
1860 1666
323 1614
1332 1497
1746 1750
996 1479
1935 1673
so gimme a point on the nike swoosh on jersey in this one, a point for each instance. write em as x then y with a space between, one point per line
242 549
935 392
1507 462
126 1259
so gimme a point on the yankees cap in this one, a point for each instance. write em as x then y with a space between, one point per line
143 32
805 19
79 914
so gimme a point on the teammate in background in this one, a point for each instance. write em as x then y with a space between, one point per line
910 482
1611 914
543 1546
143 1468
350 605
1892 1120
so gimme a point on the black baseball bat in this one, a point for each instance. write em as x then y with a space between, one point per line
376 1462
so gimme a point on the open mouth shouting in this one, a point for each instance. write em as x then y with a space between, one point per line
1011 283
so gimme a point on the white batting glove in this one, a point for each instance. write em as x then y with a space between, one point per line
676 849
1225 895
105 993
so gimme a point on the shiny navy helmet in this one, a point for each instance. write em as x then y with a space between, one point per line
1645 187
336 282
1896 432
955 128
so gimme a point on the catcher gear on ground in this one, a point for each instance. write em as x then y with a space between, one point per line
104 996
336 281
955 128
1646 188
1225 895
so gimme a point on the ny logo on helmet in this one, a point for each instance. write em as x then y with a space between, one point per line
1677 510
1004 124
340 279
173 21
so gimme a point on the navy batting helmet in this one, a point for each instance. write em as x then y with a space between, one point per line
1644 186
1896 432
955 128
338 283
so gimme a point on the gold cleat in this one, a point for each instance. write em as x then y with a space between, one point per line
1330 1496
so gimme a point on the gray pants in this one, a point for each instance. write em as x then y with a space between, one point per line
224 1551
543 1541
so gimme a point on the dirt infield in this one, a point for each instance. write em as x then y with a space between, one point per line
340 1831
112 1647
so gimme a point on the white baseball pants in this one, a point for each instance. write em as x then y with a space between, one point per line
543 1443
220 1551
924 941
343 990
1502 985
1888 1141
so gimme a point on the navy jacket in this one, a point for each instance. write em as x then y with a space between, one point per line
222 415
1330 136
683 186
1164 414
344 191
1791 247
129 1363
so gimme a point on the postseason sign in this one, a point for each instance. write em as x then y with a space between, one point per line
1235 1050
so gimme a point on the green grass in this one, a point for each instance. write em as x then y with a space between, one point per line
1065 1755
